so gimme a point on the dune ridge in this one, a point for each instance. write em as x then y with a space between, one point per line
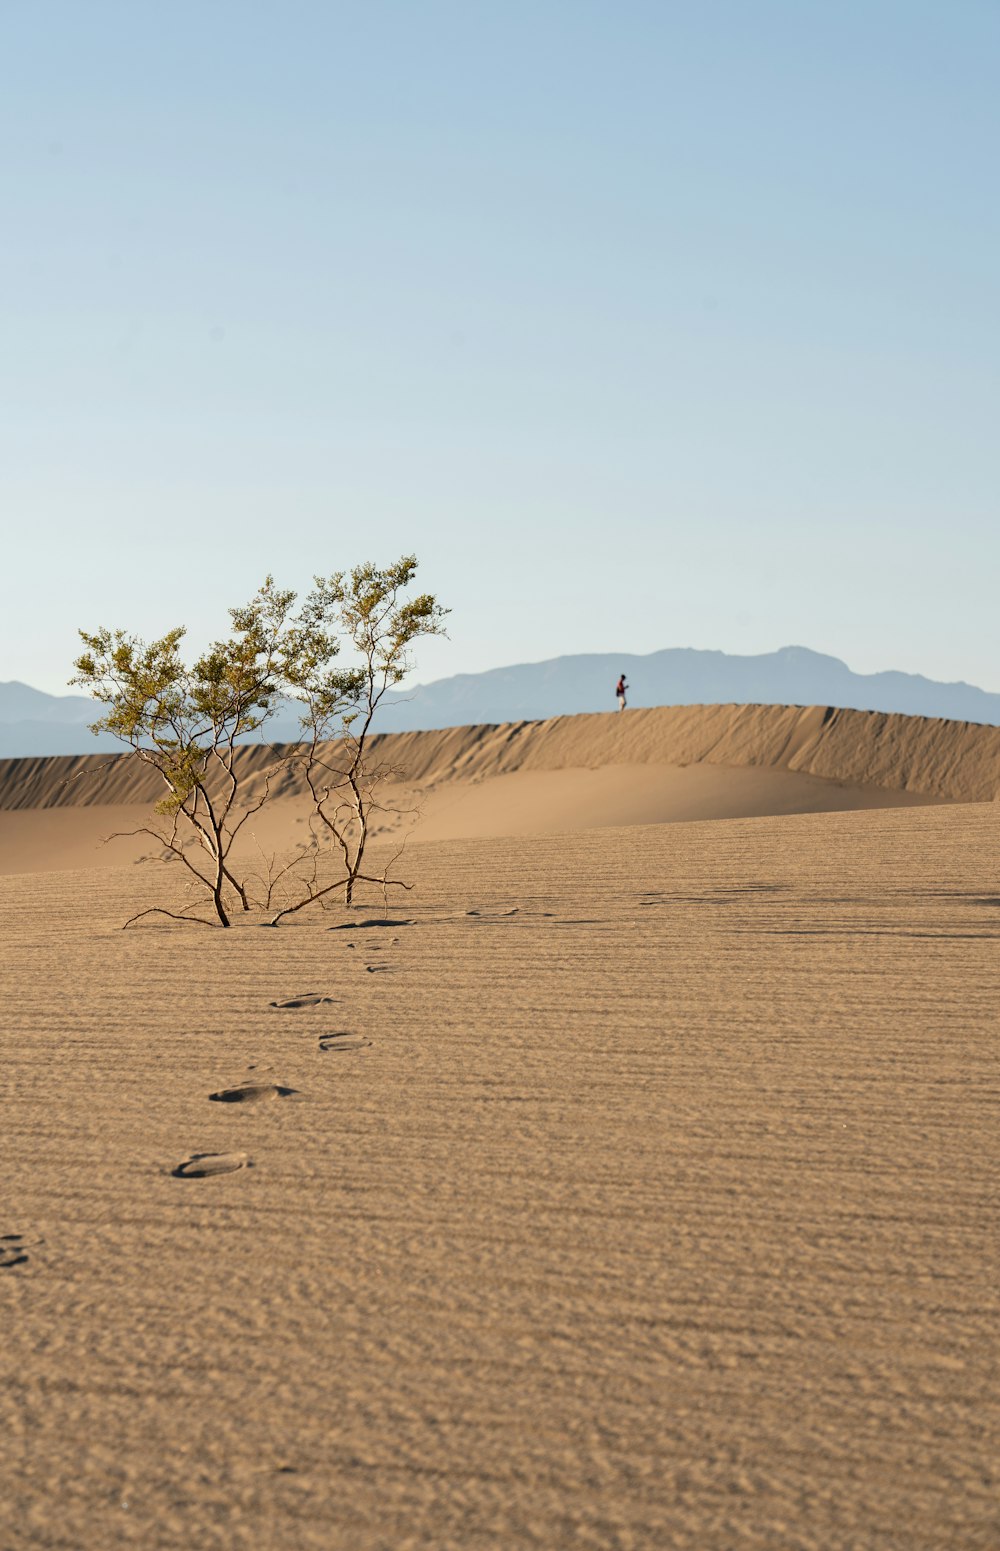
957 761
668 765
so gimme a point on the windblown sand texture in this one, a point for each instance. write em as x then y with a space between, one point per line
632 1187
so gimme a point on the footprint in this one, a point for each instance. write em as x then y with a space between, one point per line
343 1040
201 1165
251 1093
306 999
13 1250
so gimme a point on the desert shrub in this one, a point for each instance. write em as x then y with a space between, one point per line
187 721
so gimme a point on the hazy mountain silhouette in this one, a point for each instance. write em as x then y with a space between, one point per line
33 723
680 676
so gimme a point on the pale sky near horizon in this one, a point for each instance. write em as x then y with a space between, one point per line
643 324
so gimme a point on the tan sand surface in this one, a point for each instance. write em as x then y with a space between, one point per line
651 1202
528 802
524 802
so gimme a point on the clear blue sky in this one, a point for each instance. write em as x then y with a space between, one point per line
644 323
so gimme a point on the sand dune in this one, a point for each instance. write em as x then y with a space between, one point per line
664 766
959 761
955 760
530 802
631 1189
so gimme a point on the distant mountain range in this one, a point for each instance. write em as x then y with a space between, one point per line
792 676
33 723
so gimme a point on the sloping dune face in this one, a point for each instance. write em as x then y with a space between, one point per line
959 761
631 1189
956 761
670 765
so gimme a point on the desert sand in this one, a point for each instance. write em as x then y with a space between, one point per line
629 1183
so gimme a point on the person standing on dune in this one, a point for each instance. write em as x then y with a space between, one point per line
620 689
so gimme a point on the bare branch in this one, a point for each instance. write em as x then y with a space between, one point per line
158 910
